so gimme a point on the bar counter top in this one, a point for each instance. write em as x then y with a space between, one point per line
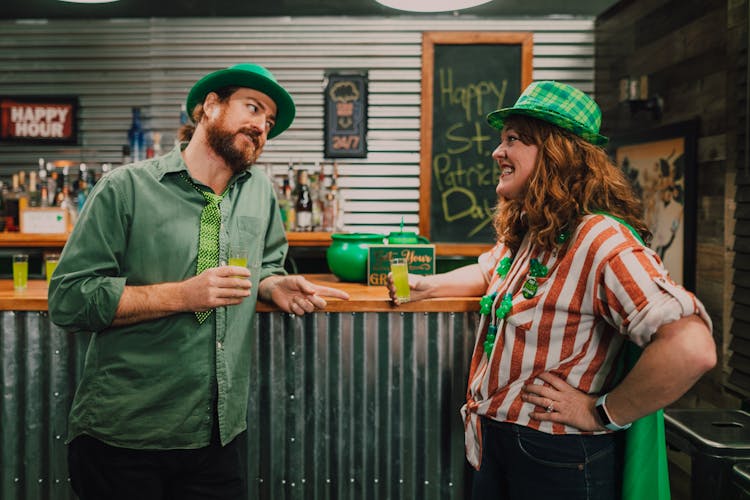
363 298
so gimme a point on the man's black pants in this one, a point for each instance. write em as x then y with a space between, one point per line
99 471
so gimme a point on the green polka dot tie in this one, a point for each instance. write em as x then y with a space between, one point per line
208 241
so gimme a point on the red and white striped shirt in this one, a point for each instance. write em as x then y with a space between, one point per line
602 282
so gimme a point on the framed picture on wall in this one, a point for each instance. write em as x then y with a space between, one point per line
661 165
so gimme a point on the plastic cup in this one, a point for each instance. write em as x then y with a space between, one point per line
400 274
238 256
50 264
20 271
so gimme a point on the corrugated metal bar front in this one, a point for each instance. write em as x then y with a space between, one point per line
344 405
40 366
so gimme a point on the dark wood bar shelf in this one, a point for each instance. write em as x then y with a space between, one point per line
13 240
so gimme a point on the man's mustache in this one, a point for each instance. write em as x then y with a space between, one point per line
253 134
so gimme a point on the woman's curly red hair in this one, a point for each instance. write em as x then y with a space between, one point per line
571 178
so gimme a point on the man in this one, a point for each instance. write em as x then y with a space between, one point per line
164 391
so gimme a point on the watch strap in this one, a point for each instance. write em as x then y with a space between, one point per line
606 420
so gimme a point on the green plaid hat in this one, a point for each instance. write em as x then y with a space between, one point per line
559 104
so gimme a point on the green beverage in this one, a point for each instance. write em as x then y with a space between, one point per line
20 272
50 264
400 273
238 261
238 256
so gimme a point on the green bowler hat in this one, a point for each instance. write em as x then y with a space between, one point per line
252 76
559 104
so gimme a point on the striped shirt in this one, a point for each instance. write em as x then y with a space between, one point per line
602 287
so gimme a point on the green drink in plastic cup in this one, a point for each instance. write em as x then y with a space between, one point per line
20 272
50 264
400 274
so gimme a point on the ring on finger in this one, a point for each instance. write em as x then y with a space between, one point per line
550 408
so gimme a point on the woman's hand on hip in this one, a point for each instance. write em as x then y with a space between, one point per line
559 402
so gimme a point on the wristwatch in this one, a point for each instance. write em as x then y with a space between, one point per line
606 420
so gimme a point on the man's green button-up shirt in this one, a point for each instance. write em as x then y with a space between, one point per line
157 384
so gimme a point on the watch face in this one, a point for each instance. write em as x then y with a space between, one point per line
603 417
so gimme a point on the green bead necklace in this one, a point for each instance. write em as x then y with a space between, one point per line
529 289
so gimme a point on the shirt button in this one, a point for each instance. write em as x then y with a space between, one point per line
218 345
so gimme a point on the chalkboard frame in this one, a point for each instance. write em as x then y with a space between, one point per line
525 40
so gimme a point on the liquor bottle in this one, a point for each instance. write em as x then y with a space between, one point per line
65 200
304 205
43 190
10 197
283 202
333 211
156 143
51 184
83 188
34 195
60 181
3 206
316 188
126 157
289 191
136 136
21 193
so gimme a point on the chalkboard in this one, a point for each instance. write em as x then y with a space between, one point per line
346 115
465 75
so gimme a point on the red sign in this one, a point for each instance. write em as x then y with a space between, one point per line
39 119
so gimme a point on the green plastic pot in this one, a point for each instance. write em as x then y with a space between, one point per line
406 238
347 255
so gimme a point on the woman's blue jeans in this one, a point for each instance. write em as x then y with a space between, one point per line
522 463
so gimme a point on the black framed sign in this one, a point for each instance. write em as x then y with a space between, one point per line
39 119
346 115
661 165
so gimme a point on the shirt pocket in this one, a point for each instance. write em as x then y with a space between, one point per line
251 233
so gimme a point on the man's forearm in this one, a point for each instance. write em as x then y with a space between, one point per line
144 303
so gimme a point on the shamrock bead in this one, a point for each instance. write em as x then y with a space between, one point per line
505 306
485 304
504 267
488 347
537 269
563 237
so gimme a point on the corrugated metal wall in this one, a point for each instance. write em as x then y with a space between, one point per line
349 405
113 65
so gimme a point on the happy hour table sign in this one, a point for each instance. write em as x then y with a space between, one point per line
419 258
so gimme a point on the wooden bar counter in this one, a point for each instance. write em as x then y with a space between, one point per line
358 401
363 298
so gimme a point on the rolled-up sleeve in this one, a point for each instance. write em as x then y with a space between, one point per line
86 287
489 260
637 296
276 245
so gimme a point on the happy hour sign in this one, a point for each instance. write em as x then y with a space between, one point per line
39 119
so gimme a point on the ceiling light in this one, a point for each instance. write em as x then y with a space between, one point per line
89 1
431 5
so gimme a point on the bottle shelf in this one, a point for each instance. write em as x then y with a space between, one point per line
308 239
11 240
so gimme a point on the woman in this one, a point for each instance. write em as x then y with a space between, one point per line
568 282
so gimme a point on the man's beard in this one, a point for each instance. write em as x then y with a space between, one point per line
222 142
